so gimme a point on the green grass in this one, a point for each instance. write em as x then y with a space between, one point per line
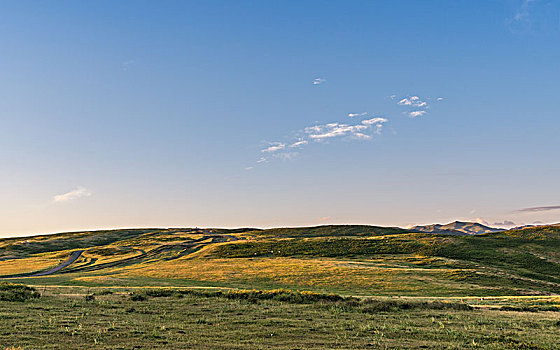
80 318
294 288
527 258
349 259
329 231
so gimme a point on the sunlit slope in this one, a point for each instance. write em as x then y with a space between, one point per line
347 259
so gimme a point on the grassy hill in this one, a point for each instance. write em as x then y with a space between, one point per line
349 259
359 287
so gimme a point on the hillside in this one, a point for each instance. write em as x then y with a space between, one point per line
348 259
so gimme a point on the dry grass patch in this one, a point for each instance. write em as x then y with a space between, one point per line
321 274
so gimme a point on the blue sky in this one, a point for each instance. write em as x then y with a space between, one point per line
227 114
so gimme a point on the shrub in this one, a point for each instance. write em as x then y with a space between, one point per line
17 292
250 295
103 292
137 297
530 308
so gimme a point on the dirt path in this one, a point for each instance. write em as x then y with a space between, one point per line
73 257
180 250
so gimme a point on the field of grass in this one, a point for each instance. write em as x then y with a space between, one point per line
120 318
368 287
349 260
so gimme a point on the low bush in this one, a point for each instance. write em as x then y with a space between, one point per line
137 297
17 292
374 306
530 308
250 295
365 305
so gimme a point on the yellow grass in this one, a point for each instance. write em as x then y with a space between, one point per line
303 273
14 266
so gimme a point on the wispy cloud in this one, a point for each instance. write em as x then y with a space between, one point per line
299 143
523 12
377 120
539 209
376 124
413 101
362 130
352 115
525 16
274 146
439 99
79 192
318 81
332 130
415 114
127 64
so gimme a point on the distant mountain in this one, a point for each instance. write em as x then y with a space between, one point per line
457 228
531 226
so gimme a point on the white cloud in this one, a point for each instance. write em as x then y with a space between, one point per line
415 114
319 132
274 146
75 194
299 143
413 101
361 136
439 99
374 121
352 115
362 130
249 168
405 102
318 81
333 130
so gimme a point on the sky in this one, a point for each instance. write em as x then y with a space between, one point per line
277 113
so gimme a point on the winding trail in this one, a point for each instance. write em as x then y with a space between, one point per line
73 257
181 249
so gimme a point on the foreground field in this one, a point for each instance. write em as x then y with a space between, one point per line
82 318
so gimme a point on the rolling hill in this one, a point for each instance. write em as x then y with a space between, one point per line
348 259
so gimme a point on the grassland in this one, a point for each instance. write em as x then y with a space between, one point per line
511 279
80 318
349 260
